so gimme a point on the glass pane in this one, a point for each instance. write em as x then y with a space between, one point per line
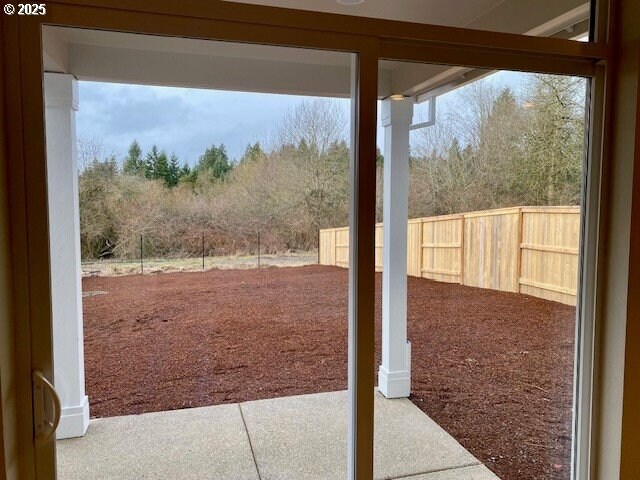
480 201
200 330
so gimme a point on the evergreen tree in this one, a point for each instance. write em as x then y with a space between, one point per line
214 162
150 161
133 163
157 165
252 153
105 169
304 149
161 170
187 174
174 172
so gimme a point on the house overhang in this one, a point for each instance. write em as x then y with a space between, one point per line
183 62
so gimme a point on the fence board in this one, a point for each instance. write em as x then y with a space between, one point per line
549 253
414 250
342 247
327 247
491 250
378 245
531 250
441 245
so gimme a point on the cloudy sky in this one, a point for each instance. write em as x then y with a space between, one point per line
181 120
187 121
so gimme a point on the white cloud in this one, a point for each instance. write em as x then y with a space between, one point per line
181 120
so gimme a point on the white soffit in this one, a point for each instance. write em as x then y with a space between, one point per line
174 61
183 62
436 12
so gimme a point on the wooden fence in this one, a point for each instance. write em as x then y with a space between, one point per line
532 250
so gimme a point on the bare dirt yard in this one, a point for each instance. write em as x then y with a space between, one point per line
112 268
492 368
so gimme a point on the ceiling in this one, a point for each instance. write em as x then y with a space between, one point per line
101 38
189 62
97 55
437 12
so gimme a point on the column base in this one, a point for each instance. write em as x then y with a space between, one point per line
397 383
394 384
74 421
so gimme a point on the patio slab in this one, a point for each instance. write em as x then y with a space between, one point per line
475 472
194 444
299 437
306 437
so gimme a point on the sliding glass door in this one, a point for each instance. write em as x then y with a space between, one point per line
489 223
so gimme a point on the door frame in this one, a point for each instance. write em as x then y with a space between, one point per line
375 40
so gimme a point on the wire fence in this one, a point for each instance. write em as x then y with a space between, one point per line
201 252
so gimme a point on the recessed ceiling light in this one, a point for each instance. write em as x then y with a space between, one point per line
396 96
349 2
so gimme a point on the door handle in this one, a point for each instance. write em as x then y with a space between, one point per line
44 428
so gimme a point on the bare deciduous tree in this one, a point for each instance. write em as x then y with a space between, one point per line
88 150
492 148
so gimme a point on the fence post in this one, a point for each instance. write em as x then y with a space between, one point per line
420 251
462 233
258 249
203 250
141 256
519 251
318 246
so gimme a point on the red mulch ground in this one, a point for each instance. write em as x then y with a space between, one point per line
493 368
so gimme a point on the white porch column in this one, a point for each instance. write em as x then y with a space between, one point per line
61 102
394 378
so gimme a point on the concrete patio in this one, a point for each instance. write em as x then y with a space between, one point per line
300 437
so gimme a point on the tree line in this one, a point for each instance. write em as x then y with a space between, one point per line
502 148
492 147
157 165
